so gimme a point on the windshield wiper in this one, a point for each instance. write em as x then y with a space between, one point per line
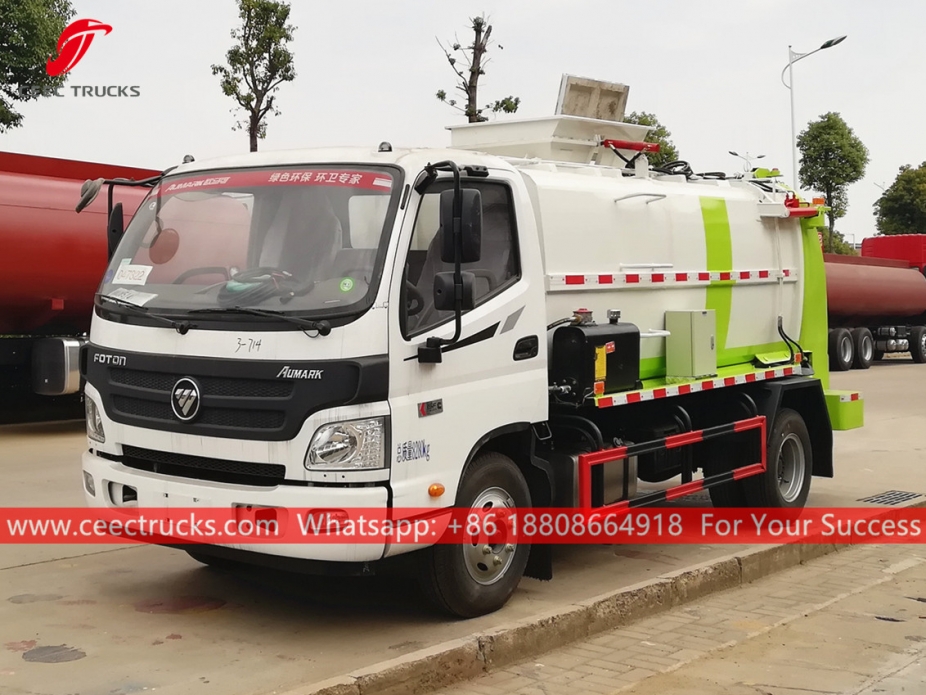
182 327
323 327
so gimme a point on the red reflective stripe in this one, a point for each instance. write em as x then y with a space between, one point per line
730 381
605 279
725 276
854 397
704 276
605 402
744 275
658 277
659 393
770 374
707 385
747 471
677 440
684 489
684 389
575 279
632 278
787 273
634 397
605 456
681 277
763 273
749 424
750 378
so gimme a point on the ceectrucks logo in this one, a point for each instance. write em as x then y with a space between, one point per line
72 46
74 43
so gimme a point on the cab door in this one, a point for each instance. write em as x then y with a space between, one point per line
494 377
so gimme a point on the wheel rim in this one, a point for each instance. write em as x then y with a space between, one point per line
923 344
845 350
487 562
791 467
867 349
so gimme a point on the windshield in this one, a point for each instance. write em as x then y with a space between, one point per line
307 241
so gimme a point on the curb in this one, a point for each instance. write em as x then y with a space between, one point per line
447 663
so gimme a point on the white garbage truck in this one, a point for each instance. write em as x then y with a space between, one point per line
535 317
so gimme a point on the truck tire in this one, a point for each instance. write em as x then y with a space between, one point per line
729 495
464 580
841 349
918 344
864 346
789 457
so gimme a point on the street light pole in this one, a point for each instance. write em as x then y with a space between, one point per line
793 57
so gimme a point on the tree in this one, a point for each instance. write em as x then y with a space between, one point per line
832 157
902 207
474 60
28 37
258 64
667 150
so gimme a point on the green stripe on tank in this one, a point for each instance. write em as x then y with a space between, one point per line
719 259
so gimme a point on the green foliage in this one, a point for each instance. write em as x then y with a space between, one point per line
258 63
668 152
836 243
29 31
473 59
902 207
832 157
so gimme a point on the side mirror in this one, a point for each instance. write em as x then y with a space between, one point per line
470 226
115 229
444 299
88 193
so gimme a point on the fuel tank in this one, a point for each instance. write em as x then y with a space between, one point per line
53 258
873 287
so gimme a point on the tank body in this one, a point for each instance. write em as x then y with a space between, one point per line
54 258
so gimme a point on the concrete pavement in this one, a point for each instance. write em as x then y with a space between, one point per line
147 617
853 623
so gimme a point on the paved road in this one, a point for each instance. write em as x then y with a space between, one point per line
849 624
146 617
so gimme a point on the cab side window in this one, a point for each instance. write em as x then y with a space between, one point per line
497 269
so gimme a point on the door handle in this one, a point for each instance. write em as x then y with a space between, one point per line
526 348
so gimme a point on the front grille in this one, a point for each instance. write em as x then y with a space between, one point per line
211 386
215 417
202 468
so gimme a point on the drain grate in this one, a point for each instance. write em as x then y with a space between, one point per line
891 498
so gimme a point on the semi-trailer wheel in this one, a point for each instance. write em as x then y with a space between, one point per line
864 346
918 344
789 460
479 576
841 350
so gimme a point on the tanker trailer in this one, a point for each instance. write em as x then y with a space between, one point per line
875 306
52 262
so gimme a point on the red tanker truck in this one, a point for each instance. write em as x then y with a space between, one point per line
51 263
877 301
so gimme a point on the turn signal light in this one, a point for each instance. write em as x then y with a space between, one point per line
819 201
436 490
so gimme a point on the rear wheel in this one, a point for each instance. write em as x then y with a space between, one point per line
841 350
786 481
864 346
918 344
480 575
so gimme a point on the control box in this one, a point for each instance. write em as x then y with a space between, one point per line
691 347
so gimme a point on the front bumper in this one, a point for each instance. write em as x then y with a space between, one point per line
160 491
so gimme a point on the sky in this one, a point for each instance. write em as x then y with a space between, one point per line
367 71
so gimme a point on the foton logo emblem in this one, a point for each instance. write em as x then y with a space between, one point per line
287 373
116 360
73 44
185 399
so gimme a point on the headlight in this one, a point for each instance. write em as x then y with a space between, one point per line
94 421
354 445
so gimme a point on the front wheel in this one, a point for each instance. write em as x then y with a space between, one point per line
479 576
789 459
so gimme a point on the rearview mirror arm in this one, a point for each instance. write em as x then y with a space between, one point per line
432 351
